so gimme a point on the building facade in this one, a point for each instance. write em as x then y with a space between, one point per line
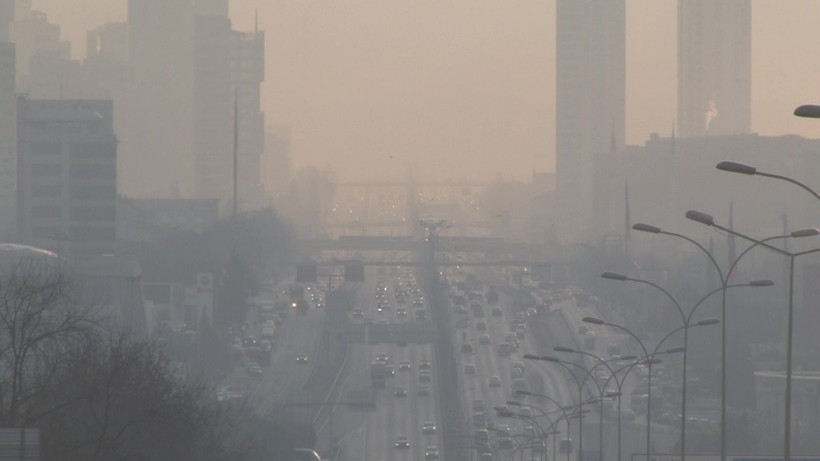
8 142
714 67
67 176
590 102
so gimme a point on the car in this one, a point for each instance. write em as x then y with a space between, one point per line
425 364
484 340
402 442
399 392
423 391
431 452
301 358
497 312
479 405
505 443
382 357
428 427
425 378
401 313
495 381
404 365
469 369
254 370
357 314
503 411
525 412
421 314
481 326
467 348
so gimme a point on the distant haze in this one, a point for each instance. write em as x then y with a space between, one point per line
465 88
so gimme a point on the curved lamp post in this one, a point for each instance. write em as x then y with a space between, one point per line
687 322
650 360
601 390
561 408
544 434
703 218
708 220
580 383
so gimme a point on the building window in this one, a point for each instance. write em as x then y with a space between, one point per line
95 191
44 232
93 234
46 212
46 170
46 148
94 213
46 190
96 150
94 171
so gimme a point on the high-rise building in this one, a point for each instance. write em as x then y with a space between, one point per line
213 110
590 102
227 108
34 35
67 176
158 152
8 142
6 18
247 75
714 67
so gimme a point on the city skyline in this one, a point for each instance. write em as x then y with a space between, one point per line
486 101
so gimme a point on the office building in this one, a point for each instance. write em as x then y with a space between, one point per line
590 102
714 67
8 142
158 151
247 75
6 18
34 35
67 176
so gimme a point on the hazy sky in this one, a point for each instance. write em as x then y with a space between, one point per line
465 88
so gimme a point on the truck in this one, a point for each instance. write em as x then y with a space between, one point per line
492 296
297 299
378 373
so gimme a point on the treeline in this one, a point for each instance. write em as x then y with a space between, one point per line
98 393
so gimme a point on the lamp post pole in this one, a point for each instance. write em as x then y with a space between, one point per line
550 399
708 220
686 319
724 283
564 364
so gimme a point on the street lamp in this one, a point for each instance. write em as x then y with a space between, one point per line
544 434
686 319
561 408
565 365
649 362
808 111
708 220
604 363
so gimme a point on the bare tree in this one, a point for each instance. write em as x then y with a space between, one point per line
40 317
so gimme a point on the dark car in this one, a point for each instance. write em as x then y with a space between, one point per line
301 358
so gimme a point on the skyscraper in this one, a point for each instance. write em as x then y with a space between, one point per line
8 141
158 153
590 102
714 67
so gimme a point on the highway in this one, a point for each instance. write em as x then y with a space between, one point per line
371 436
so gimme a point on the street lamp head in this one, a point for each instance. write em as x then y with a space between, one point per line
514 403
613 276
564 349
700 217
675 350
592 320
810 232
613 394
761 283
549 358
627 357
735 167
808 111
646 228
522 392
532 357
652 361
709 321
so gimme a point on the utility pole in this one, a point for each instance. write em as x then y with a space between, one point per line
235 153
